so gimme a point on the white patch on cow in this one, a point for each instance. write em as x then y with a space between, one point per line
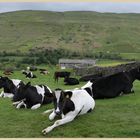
31 74
85 101
40 90
49 89
88 84
57 95
35 106
16 82
9 95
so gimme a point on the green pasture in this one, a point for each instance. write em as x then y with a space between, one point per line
118 117
75 31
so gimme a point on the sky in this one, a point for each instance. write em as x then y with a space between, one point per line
114 7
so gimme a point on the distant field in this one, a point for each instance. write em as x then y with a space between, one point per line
118 117
105 63
75 31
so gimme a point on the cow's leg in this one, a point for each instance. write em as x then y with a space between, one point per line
2 94
16 103
48 111
35 106
127 89
52 116
9 95
20 104
67 118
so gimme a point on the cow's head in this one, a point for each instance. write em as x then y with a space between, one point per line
21 92
61 100
58 101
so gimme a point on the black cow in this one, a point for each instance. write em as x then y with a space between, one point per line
9 86
71 81
32 96
91 77
29 74
61 74
115 85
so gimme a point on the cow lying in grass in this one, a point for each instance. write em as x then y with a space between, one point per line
113 85
71 81
9 86
28 96
68 105
29 74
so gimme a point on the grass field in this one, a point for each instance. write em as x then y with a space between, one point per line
74 31
118 117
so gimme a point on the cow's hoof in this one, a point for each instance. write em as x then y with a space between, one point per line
47 130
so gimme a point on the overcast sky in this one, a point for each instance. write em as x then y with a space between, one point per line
115 7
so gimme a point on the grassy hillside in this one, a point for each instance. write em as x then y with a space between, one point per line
78 31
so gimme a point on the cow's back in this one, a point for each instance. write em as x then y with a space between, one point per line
110 86
48 97
82 98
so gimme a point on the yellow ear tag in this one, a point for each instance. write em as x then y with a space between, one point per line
67 96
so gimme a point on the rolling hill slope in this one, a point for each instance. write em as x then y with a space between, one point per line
80 31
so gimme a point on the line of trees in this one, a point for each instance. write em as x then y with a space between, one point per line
51 56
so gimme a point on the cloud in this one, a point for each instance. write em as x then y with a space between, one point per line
117 7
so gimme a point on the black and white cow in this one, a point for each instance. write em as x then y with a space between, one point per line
113 85
29 74
68 105
9 86
71 81
33 97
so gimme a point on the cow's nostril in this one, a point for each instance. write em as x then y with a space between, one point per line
57 112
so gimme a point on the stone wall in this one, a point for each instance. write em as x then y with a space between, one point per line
106 70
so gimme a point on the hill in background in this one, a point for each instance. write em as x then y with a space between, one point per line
74 31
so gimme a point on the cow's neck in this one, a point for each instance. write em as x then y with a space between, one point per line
11 87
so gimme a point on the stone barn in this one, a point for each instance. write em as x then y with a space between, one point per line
73 63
